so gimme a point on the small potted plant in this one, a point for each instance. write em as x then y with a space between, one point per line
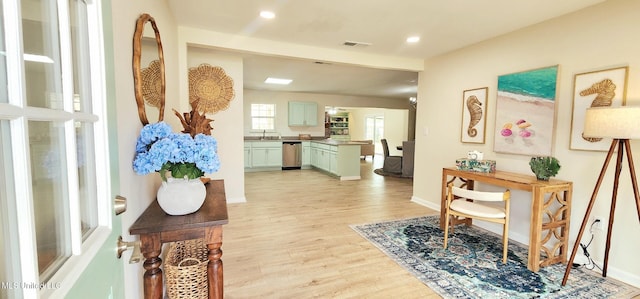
544 167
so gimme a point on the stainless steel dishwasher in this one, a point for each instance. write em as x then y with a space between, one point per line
291 155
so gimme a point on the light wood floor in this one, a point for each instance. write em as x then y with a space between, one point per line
292 239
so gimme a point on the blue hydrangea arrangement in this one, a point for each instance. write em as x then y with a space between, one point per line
158 149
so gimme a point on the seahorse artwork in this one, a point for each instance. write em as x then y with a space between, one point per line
475 112
605 90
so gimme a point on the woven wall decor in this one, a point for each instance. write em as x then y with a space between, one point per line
152 84
210 88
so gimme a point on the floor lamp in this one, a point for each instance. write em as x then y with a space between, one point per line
621 124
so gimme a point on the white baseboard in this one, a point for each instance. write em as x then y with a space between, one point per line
626 277
237 200
426 203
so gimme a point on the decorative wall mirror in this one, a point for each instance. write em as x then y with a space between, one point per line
148 70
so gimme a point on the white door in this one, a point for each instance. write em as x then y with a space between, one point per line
58 230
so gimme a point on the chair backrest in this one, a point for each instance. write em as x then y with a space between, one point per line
385 147
479 195
408 149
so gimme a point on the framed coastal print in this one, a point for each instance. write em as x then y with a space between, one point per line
604 88
474 115
525 112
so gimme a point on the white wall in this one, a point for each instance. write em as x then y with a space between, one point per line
599 37
139 190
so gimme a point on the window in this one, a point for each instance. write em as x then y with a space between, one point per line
50 123
263 116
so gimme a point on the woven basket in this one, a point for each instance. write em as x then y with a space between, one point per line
186 270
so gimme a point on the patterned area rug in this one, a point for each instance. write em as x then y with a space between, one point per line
472 265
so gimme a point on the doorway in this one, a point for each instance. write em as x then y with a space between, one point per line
374 130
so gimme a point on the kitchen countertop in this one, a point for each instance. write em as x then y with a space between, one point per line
274 138
314 139
336 142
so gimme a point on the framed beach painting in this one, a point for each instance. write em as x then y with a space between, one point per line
604 88
474 115
525 112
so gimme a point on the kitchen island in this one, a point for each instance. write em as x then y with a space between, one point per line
337 158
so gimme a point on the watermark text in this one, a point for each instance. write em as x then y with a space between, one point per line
10 285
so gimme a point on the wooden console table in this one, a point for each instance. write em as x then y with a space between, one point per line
155 227
550 210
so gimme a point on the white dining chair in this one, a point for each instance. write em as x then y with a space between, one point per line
466 203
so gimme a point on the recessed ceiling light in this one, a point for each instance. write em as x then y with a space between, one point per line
277 81
267 14
413 39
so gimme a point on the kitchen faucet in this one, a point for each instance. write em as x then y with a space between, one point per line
263 133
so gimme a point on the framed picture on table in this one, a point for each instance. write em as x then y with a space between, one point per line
474 115
603 88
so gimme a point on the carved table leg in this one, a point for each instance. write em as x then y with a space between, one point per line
214 269
535 230
151 248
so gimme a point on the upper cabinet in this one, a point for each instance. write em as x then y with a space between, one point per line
303 114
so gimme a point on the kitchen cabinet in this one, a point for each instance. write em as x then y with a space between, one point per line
263 154
322 156
247 155
338 159
306 154
303 114
313 156
333 162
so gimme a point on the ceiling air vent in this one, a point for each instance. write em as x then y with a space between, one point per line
353 44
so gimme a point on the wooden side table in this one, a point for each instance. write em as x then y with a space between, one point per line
155 227
550 210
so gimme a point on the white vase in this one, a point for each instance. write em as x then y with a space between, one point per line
181 196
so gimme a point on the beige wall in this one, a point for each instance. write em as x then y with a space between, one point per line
139 190
226 128
600 37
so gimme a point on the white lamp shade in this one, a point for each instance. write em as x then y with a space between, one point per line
609 122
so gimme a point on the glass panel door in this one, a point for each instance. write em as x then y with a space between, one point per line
85 154
375 131
81 56
42 54
50 204
51 119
